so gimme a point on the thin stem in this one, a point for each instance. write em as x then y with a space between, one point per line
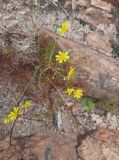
52 54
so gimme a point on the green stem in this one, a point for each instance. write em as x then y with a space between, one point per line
50 59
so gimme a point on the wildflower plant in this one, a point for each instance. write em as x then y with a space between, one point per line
54 68
63 57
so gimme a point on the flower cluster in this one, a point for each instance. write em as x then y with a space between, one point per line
77 93
16 112
62 57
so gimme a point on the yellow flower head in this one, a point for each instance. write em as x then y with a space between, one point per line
6 120
62 57
70 73
64 27
78 93
12 115
26 104
70 91
16 112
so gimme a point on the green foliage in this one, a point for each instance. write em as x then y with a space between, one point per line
88 104
108 107
50 49
115 49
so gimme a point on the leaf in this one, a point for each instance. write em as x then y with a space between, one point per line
108 107
50 48
88 104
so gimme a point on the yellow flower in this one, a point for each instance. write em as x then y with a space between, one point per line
62 57
26 104
16 112
78 93
12 115
70 91
6 120
64 27
71 73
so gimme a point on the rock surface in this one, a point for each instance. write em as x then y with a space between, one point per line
94 26
101 4
99 72
113 2
102 145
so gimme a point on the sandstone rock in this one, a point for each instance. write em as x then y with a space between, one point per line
94 116
84 3
101 4
21 20
99 42
26 17
99 121
113 2
41 147
76 4
105 150
113 122
109 31
95 17
103 145
109 154
98 71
